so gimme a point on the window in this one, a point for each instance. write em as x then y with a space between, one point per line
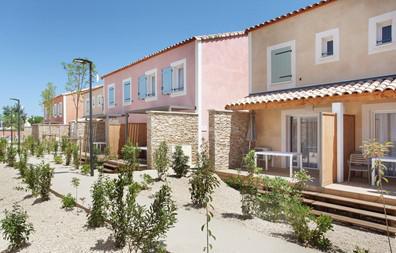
382 32
147 85
151 85
174 79
127 99
87 107
327 46
281 65
111 95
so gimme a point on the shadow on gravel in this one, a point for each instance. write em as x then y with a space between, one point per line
38 201
235 216
16 250
104 246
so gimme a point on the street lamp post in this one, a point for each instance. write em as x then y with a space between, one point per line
91 154
19 123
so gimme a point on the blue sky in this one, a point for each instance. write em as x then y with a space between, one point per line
36 36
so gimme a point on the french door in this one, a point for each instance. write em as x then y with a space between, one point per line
303 138
385 130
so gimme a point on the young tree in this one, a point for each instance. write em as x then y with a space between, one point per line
10 114
77 80
35 119
47 96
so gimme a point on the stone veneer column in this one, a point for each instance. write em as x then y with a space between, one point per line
175 128
227 137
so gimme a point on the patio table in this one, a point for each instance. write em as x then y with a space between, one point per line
281 154
384 159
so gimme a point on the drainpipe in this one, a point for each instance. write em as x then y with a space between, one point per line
126 127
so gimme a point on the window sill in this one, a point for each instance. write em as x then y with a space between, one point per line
383 47
281 85
178 93
328 58
149 99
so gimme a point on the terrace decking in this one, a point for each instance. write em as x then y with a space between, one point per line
354 204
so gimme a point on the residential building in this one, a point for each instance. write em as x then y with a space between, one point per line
194 75
98 103
322 80
64 106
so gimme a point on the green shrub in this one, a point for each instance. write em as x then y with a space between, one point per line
68 153
273 204
117 213
76 156
203 181
282 202
31 179
58 159
161 160
11 156
55 146
179 162
15 227
249 190
64 143
40 150
235 182
85 169
38 179
146 228
68 202
98 215
45 175
3 149
130 154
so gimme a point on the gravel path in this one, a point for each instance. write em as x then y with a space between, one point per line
233 233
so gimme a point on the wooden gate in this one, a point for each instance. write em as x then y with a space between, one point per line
328 170
137 134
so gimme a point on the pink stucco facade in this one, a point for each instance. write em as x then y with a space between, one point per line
159 62
224 74
216 74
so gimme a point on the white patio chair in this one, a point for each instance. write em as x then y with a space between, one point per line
358 163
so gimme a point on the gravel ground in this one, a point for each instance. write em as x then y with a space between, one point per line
233 233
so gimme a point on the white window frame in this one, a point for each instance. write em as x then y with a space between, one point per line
148 74
60 109
368 117
108 95
123 90
373 32
332 34
175 78
282 85
87 107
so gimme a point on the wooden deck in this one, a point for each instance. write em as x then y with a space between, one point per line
355 203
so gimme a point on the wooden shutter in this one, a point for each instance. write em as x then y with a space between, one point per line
127 92
142 87
167 81
328 138
281 70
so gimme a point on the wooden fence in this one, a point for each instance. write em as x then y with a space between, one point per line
137 134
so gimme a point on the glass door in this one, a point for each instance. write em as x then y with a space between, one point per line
385 130
303 138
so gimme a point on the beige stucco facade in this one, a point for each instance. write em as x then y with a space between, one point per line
351 17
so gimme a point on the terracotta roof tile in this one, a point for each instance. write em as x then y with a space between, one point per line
380 84
288 15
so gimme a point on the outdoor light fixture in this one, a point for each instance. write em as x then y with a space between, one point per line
91 155
19 124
